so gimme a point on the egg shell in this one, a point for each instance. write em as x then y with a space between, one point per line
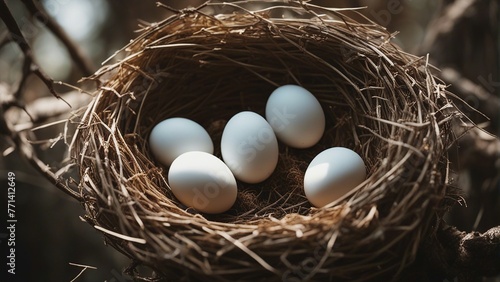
331 174
249 147
175 136
202 181
296 116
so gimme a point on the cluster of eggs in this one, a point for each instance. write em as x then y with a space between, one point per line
249 148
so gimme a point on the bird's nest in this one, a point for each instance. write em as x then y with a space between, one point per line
210 63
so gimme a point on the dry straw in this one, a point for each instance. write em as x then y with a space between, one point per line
209 63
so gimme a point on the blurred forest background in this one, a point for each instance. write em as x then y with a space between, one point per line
461 36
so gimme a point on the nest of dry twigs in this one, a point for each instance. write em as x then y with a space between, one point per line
207 64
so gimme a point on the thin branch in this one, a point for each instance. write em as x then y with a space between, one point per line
15 31
484 101
27 151
84 267
38 11
43 109
447 21
7 101
29 66
49 82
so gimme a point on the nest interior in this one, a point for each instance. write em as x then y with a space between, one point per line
210 63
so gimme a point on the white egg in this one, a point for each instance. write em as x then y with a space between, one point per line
331 174
249 147
202 181
296 116
175 136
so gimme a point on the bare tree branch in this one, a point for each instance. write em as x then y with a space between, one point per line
41 110
446 22
474 93
27 151
39 12
15 31
29 66
19 139
44 109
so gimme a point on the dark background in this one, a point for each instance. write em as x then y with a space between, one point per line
463 40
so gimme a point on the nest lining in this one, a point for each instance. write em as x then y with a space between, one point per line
379 101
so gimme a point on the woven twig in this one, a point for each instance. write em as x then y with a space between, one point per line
209 63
